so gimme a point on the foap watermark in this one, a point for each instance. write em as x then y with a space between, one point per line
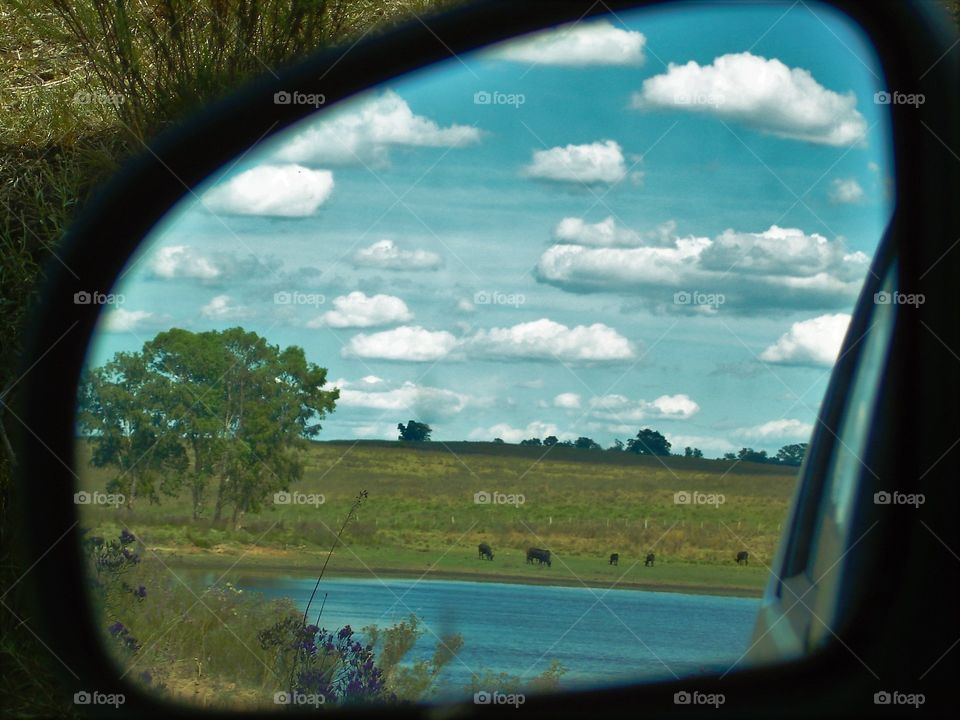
98 498
498 498
883 97
898 498
485 97
95 98
496 297
898 298
84 297
298 298
896 697
684 497
496 697
298 698
298 498
85 697
707 99
697 298
684 697
299 98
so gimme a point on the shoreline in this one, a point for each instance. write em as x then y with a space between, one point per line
200 563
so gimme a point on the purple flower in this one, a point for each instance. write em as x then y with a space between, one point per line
312 629
117 628
146 678
126 537
345 632
140 592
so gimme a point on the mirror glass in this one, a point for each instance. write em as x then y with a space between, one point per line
490 381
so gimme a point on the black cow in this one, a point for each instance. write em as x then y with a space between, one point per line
614 558
540 555
743 558
484 552
649 561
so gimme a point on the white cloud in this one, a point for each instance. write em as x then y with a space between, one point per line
466 306
221 307
422 401
779 267
846 191
357 310
811 342
580 44
569 401
272 191
607 233
761 93
596 163
407 343
510 434
545 339
182 261
703 442
385 255
621 409
785 429
121 320
366 133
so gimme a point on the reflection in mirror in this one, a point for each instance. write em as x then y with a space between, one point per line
491 381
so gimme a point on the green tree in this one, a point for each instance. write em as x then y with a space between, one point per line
649 442
729 456
617 446
414 431
792 454
585 443
532 441
692 452
550 441
751 455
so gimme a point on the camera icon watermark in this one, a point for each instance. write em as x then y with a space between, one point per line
883 97
899 698
898 498
298 699
495 697
96 697
298 298
84 297
684 697
285 497
485 97
498 498
98 498
495 297
699 299
898 298
298 98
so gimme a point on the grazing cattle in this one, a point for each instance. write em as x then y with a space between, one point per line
743 558
649 561
540 555
614 558
484 552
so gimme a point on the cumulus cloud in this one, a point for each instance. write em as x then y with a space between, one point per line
365 134
386 255
784 429
753 271
422 401
607 233
569 401
222 307
510 434
703 442
764 94
846 191
545 339
357 310
271 191
182 261
405 343
121 320
599 163
580 44
811 342
621 409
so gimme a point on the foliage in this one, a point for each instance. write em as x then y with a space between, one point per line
692 452
792 454
414 431
649 442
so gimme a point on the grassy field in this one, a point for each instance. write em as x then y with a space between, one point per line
421 517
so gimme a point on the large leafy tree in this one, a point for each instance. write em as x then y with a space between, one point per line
791 454
238 407
414 431
649 442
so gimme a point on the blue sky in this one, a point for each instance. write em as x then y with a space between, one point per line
660 219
